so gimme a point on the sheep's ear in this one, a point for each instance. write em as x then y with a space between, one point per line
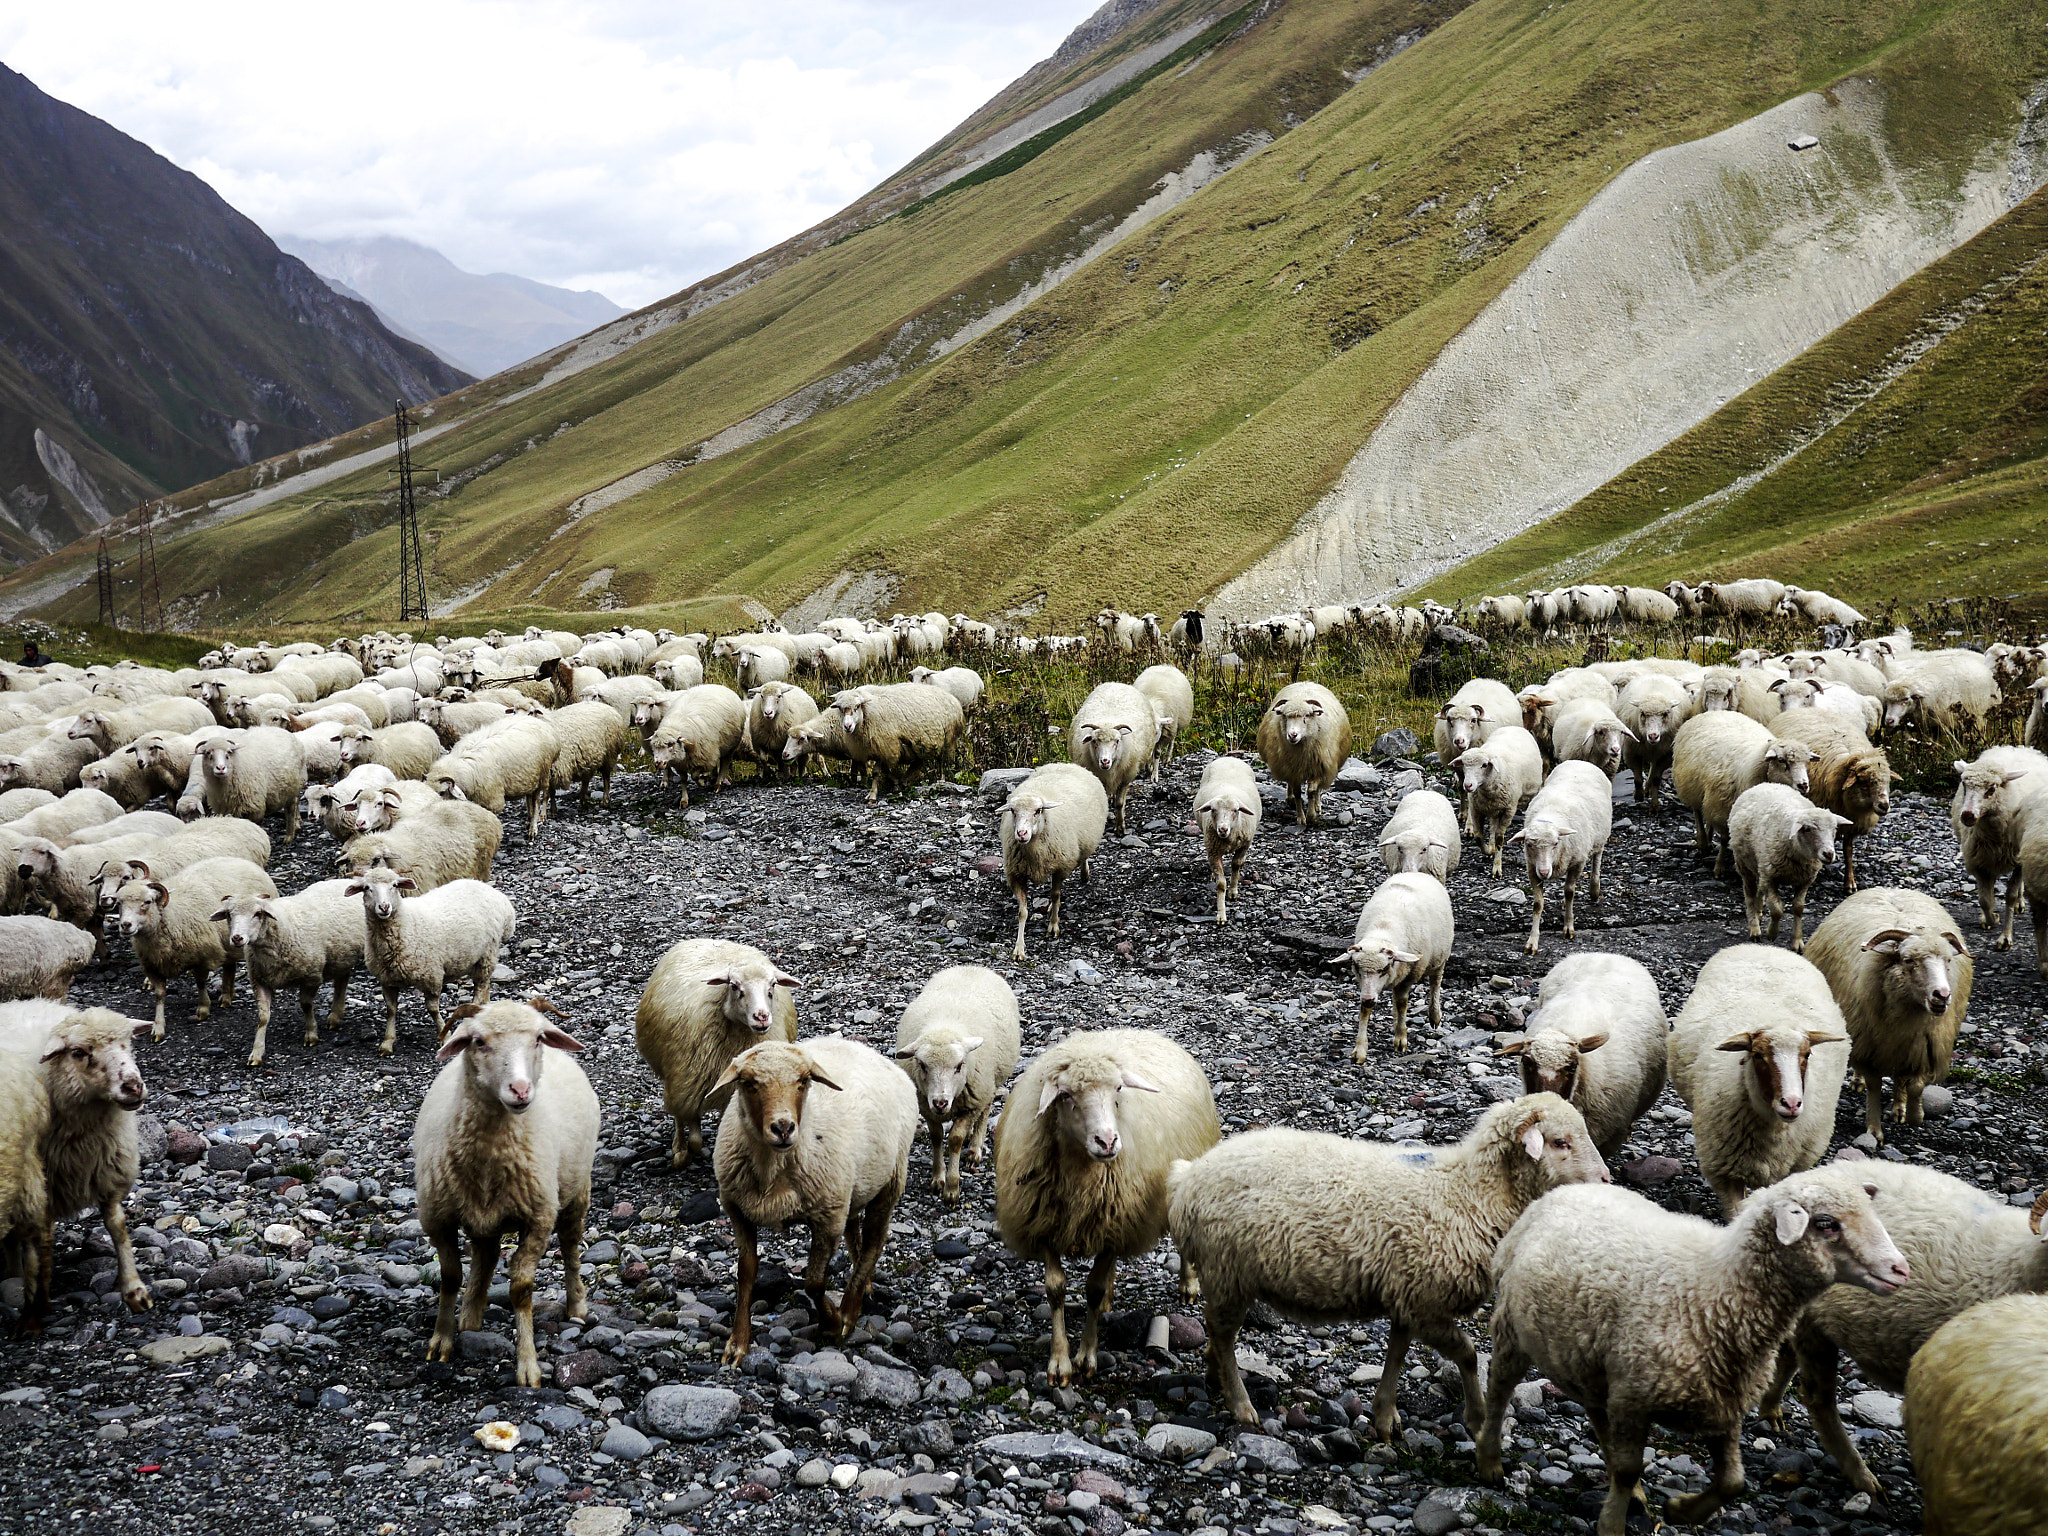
1959 765
813 1075
1049 1094
457 1041
1887 942
1792 1220
1517 837
221 916
722 979
1405 956
405 883
561 1040
1532 1139
973 1043
1132 1080
1592 1043
731 1074
1478 711
1513 1048
1955 942
783 979
1736 1042
141 1026
904 1053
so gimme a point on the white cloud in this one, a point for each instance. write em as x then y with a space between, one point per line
625 145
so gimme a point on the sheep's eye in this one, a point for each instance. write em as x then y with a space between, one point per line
79 1053
1826 1224
1562 1143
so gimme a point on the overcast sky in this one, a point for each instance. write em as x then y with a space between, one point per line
629 146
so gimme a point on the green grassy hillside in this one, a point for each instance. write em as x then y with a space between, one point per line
1164 417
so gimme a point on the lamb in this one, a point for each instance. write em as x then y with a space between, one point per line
39 957
1966 1246
1403 936
1588 731
1499 777
86 1061
1565 832
700 731
773 714
1052 824
1948 693
24 1191
1717 757
253 774
1422 837
512 760
1849 777
707 1001
1974 1414
1779 838
1173 704
1305 737
1228 811
1326 1228
1996 798
1643 1315
1113 736
504 1143
832 1161
1652 707
1902 975
591 737
415 943
958 1041
169 924
1082 1163
1587 1003
1472 714
296 942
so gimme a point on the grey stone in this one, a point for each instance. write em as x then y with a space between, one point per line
1029 1446
688 1413
482 1346
583 1368
229 1156
152 1142
997 784
948 1385
1937 1101
1399 742
933 1437
813 1473
1879 1409
179 1349
830 1367
236 1272
879 1384
347 1191
1179 1440
625 1443
1278 1455
1356 775
1440 1513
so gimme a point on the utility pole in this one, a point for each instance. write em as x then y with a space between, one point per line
149 595
412 566
105 567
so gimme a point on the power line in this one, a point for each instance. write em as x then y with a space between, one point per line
149 595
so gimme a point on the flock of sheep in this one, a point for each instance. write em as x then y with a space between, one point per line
1110 1139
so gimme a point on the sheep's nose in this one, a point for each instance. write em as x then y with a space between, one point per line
132 1092
1939 999
1789 1106
519 1092
759 1019
941 1106
1968 818
1104 1145
782 1130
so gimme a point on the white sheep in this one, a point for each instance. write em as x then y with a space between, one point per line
1653 707
51 762
1124 631
1848 776
700 732
110 730
504 1143
1498 777
210 837
513 759
40 956
1421 837
958 1041
1403 936
590 738
1112 736
1173 704
1326 1228
1588 731
416 943
1779 838
296 942
1901 975
169 924
334 805
60 819
1818 608
1472 714
1751 601
1563 835
1051 826
1762 1091
1949 693
252 774
964 683
1599 1039
773 712
1083 1150
708 1000
1639 1313
25 1225
1228 810
1996 797
1975 1413
1305 738
1830 698
2034 882
1718 756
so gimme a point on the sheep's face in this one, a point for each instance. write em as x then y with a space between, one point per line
503 1058
1542 841
1407 853
375 810
1083 1100
1774 1067
97 1054
747 995
939 1069
1375 965
770 704
1981 791
382 890
442 781
1718 693
1840 1231
140 905
1603 749
1554 1136
796 745
771 1082
1870 782
1785 763
351 746
108 882
1658 723
1227 820
1549 1060
36 857
1802 664
1817 834
219 757
248 918
1533 705
1028 817
1474 771
1299 719
1918 968
1461 723
87 726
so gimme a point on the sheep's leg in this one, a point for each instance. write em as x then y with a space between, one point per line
264 998
1571 896
569 1235
1123 795
1906 1106
1361 1048
935 1131
204 1007
1799 916
1401 1016
1315 808
309 1000
1497 839
133 1291
449 1251
1987 900
874 782
1237 870
1695 1508
1052 915
480 979
1529 945
688 1140
1436 997
874 1234
1222 886
1873 1105
434 1012
227 980
2012 900
1849 860
1622 1442
1223 1326
742 1337
978 1142
1101 1290
1386 1412
1772 1408
1022 891
1059 1365
2038 910
1818 1362
1190 1282
390 1042
525 1260
38 1242
334 1013
956 1140
1752 902
1775 904
1510 1365
1720 844
483 1263
1449 1340
1702 838
158 985
1599 857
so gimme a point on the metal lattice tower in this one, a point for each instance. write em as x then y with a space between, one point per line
412 565
149 595
105 571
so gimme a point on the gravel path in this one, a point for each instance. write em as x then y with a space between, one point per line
281 1378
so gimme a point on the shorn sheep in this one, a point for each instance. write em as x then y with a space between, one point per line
1977 1420
958 1041
416 943
1422 836
707 1001
1228 810
834 1161
503 1145
1762 1091
1083 1149
1329 1229
1498 777
1644 1316
1403 937
1850 777
1599 1039
1779 838
1901 976
1112 736
1052 824
1563 836
1305 737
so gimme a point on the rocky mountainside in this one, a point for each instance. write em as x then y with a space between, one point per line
151 336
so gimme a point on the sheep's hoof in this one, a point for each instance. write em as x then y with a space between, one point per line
137 1297
1488 1468
256 1057
385 1047
1529 945
1059 1373
441 1347
735 1352
1361 1058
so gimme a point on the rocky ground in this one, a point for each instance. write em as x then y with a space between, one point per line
281 1379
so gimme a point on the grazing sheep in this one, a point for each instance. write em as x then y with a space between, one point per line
1052 824
823 736
1113 736
835 1162
1082 1153
1719 755
39 956
1996 798
707 1001
24 1191
1901 975
1329 1229
964 683
1653 707
775 710
1498 777
1472 714
1646 605
1762 1093
958 1041
1632 1310
590 744
1945 693
1596 1003
1976 1417
251 775
1588 731
110 730
1173 703
1779 838
1422 836
1818 608
1305 737
1228 811
1403 936
416 942
169 924
1849 776
1565 833
504 1143
296 942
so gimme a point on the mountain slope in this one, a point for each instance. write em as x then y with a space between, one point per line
150 336
478 323
1097 362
